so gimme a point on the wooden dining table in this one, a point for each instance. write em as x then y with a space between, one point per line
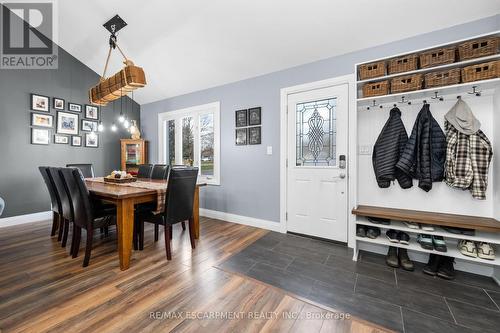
125 198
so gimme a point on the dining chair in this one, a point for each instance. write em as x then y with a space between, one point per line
160 171
87 169
66 210
87 215
144 171
2 206
178 207
55 201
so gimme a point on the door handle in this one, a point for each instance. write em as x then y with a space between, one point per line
341 176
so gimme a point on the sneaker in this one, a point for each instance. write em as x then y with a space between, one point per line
392 235
433 265
404 260
392 257
411 225
426 227
360 230
379 220
446 269
403 238
485 251
467 248
372 232
439 244
425 242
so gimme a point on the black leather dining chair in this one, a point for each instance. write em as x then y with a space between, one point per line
144 171
87 169
178 207
55 201
160 171
66 211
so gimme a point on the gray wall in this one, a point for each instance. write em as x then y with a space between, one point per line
20 182
250 178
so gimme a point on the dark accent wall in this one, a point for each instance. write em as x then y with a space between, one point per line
21 185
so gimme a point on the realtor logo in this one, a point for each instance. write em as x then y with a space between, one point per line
28 35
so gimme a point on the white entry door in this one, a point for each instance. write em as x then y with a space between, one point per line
317 135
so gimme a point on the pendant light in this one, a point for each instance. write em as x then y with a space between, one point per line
113 126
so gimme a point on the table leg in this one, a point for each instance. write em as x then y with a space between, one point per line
196 213
125 225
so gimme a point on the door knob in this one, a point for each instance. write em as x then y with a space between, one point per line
342 175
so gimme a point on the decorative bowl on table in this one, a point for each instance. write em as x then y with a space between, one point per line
120 177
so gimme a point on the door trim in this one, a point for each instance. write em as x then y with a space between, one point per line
351 145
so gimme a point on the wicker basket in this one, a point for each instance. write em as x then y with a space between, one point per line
437 57
403 64
442 78
372 70
478 48
484 71
372 89
406 83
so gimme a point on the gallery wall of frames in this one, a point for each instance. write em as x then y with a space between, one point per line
248 126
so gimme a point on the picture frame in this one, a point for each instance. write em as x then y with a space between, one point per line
89 125
67 123
241 136
73 107
254 135
61 139
76 141
91 141
42 120
39 103
58 103
91 112
40 136
241 118
254 116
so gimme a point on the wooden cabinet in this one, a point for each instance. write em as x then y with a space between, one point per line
133 153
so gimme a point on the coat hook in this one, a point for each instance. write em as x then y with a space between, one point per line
425 102
440 98
403 100
474 91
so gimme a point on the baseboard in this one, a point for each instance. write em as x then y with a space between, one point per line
23 219
250 221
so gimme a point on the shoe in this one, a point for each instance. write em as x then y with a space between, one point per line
392 235
404 260
426 227
459 231
360 231
439 244
425 241
411 225
467 248
433 265
485 251
372 232
446 269
379 220
392 257
403 238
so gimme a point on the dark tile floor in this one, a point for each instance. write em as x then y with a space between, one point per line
403 301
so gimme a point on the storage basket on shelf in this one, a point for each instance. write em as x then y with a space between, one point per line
484 71
478 48
403 64
442 78
372 70
406 83
379 88
437 57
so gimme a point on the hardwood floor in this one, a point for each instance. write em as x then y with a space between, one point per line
43 290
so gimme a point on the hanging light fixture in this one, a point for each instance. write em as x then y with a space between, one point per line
126 123
100 127
113 127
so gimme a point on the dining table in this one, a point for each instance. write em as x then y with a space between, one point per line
125 198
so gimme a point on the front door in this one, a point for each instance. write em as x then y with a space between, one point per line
317 133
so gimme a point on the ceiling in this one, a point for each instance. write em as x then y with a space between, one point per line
189 45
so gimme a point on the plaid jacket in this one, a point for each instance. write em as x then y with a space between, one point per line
468 158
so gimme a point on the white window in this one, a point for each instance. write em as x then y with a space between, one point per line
191 136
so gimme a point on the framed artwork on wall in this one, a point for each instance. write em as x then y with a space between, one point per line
76 141
67 123
241 136
241 118
40 136
73 107
61 139
41 120
91 112
58 103
91 140
254 117
254 135
89 125
39 103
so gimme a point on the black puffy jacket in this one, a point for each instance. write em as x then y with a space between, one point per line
387 150
425 152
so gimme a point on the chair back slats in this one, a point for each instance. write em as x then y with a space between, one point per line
144 171
180 194
54 198
61 192
160 171
87 169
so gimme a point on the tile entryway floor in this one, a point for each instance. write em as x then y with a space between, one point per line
324 272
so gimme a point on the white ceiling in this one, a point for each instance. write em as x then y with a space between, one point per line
189 45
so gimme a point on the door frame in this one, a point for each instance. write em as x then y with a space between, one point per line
351 169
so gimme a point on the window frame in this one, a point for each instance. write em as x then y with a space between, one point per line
178 115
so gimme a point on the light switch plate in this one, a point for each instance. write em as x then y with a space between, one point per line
269 150
364 149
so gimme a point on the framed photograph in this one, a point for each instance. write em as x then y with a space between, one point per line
67 123
39 103
241 118
241 136
89 125
254 117
74 107
254 135
58 103
91 112
91 140
76 141
61 139
42 120
40 136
